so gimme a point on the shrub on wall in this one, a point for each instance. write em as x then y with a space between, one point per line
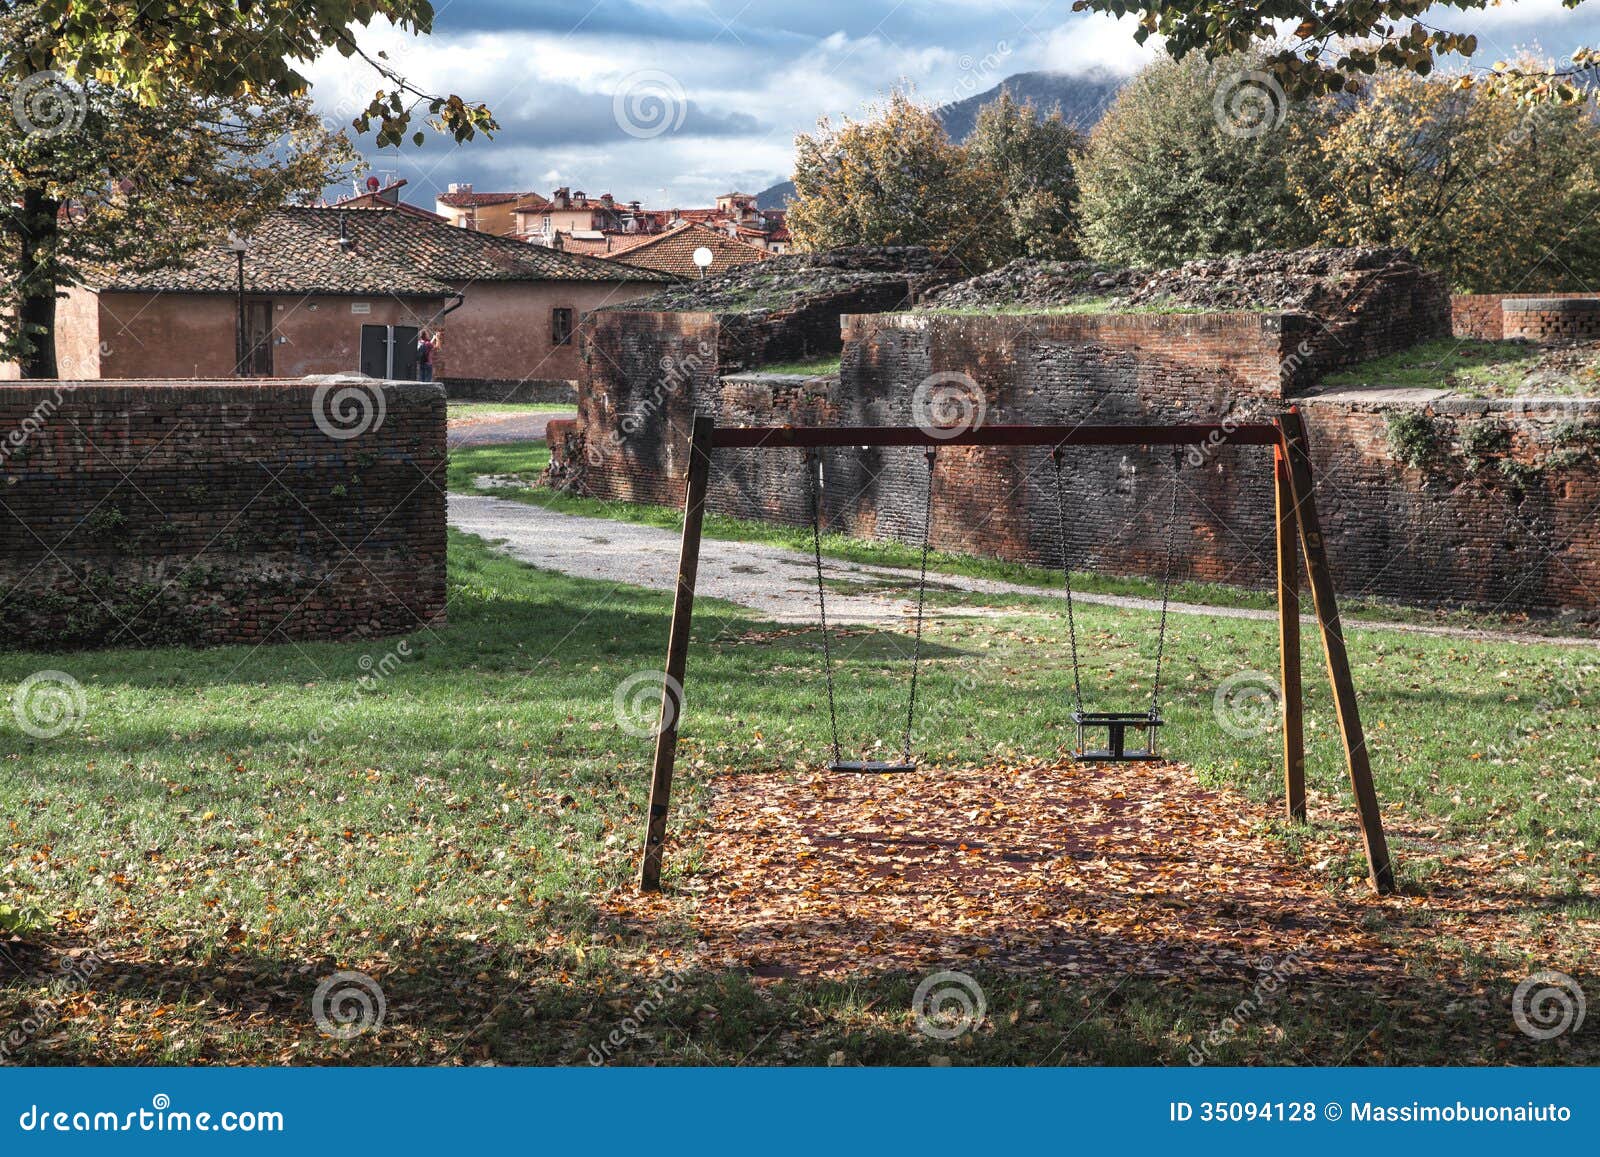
1413 437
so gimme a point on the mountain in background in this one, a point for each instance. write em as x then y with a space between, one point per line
776 197
1081 98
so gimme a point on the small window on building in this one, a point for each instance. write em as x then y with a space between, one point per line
561 327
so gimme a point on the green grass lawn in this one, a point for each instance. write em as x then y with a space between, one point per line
809 367
476 410
454 813
1476 368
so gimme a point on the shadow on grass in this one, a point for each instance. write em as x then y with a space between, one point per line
451 1001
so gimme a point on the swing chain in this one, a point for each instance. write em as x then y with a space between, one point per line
1166 585
1154 713
1056 456
922 594
813 458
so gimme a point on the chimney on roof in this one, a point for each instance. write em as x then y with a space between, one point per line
457 187
344 232
607 200
580 198
561 198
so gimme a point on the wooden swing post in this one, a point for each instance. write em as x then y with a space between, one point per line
1380 869
694 512
1293 697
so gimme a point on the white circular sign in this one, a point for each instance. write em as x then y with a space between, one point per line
703 257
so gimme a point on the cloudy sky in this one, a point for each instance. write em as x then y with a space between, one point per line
674 101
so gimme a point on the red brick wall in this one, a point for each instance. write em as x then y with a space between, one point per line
218 512
1478 315
1462 528
1445 533
642 378
1550 319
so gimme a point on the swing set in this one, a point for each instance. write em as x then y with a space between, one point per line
1296 521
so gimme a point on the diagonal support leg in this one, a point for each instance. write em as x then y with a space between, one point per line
1379 866
694 509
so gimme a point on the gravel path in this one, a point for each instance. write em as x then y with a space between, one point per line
779 583
490 431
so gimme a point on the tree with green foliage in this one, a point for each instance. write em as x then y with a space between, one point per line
129 116
119 184
894 178
1190 162
1035 160
1333 44
1492 191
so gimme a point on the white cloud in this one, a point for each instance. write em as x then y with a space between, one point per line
1096 42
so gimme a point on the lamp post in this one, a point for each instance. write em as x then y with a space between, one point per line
237 246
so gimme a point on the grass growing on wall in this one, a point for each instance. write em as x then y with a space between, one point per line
815 367
1476 368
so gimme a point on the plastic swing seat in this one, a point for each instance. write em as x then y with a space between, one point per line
870 766
1117 725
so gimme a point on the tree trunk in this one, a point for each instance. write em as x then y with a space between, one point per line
36 307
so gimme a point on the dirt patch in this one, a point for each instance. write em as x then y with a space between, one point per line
1084 870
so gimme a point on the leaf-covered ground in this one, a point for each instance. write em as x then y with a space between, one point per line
224 830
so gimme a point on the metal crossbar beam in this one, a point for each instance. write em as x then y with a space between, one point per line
1196 434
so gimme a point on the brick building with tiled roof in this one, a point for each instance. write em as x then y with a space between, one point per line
313 279
673 251
381 196
480 212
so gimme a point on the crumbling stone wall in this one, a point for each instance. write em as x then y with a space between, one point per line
1481 519
1490 505
145 512
788 308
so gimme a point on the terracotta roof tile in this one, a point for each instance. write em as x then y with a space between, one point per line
469 200
297 250
673 252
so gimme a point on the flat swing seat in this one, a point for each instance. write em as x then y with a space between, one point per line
869 766
1117 725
